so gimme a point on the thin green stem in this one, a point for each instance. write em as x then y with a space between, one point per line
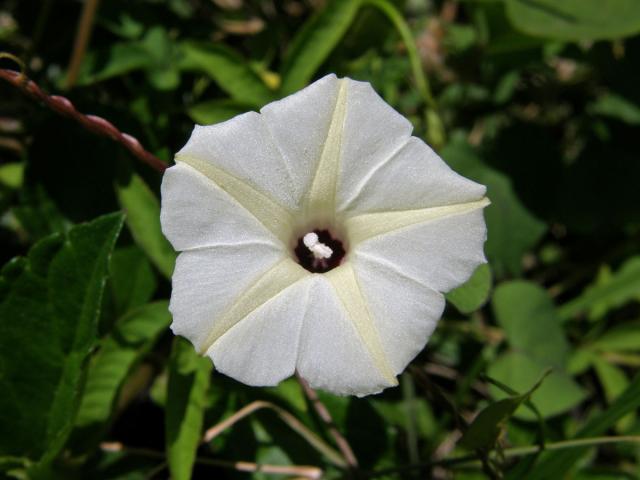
473 460
395 17
579 442
434 125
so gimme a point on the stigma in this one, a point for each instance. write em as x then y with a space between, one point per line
320 250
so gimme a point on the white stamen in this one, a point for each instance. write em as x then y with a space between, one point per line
319 250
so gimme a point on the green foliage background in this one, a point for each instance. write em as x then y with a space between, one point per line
537 99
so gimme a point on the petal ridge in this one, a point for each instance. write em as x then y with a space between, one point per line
276 145
365 180
345 283
262 350
269 285
276 218
322 193
370 225
394 268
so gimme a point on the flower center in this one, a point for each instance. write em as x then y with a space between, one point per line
319 252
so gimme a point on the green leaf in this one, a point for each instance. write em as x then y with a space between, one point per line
228 69
615 106
614 382
472 295
215 111
156 54
189 376
626 337
485 429
557 464
512 229
132 279
530 322
132 337
12 174
575 19
533 329
119 59
143 219
556 395
623 286
49 310
315 41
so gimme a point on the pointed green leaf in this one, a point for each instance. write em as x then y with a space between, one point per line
143 219
49 308
132 337
558 394
189 375
313 44
132 279
228 69
486 427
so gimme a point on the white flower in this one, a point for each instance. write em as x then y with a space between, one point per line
264 206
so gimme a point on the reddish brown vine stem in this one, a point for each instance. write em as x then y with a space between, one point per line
96 124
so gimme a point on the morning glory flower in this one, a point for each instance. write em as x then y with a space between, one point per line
316 236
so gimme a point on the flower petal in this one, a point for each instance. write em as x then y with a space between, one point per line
196 213
244 149
206 282
424 178
332 354
372 133
404 310
262 349
441 253
299 125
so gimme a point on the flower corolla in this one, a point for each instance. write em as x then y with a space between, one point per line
316 236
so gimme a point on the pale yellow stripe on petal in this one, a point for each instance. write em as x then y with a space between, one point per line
322 194
276 218
343 280
368 225
269 285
